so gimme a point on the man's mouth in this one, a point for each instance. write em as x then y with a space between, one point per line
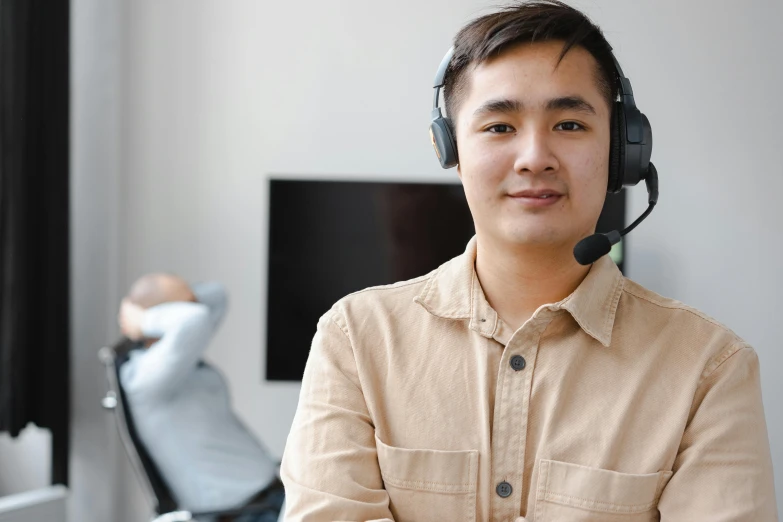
537 198
535 193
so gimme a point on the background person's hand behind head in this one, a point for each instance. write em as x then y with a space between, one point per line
130 318
148 291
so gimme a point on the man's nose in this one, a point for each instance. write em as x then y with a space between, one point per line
534 152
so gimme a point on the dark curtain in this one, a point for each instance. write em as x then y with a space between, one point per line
34 297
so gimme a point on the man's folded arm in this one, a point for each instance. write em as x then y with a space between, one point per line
330 465
723 470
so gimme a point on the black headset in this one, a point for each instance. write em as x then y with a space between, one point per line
631 134
629 155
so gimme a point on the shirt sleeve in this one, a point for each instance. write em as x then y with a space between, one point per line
213 294
723 470
330 464
184 330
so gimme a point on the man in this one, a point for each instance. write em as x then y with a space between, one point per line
513 383
181 406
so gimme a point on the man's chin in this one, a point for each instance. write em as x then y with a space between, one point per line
535 238
540 240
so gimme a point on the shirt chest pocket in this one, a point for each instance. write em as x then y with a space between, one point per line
426 485
581 494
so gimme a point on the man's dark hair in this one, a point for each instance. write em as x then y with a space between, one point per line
526 22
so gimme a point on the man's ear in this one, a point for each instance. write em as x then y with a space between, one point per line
459 171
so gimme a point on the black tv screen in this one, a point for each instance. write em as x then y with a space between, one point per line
330 238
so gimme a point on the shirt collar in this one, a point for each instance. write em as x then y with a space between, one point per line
454 292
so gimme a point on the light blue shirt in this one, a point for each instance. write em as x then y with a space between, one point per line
182 408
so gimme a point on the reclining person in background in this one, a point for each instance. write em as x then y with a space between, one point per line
181 406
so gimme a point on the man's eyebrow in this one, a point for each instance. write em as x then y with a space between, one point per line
508 105
570 103
502 105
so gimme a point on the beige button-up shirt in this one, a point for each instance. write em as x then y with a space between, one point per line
419 403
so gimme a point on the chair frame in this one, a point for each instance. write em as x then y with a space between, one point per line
156 489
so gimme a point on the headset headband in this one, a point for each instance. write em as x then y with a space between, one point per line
440 75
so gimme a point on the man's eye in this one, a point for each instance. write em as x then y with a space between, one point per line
570 126
500 128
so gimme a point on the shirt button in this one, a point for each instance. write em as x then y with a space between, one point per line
517 362
504 489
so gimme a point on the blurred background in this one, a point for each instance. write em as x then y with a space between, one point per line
182 110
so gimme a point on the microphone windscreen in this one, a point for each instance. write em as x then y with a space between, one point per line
591 248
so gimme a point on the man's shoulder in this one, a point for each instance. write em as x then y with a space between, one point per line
379 300
685 324
671 307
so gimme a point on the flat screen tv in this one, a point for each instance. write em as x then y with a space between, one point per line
330 238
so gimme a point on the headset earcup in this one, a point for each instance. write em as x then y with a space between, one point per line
617 149
443 142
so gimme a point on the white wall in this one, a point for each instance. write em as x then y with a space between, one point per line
217 95
102 487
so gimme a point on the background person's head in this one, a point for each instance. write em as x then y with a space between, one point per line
530 91
154 289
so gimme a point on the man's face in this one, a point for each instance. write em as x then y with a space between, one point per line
534 146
